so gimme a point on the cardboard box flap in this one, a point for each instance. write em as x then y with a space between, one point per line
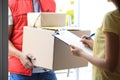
46 19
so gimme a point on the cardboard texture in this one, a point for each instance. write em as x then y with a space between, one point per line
50 52
46 19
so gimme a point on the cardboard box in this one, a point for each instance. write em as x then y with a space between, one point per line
50 52
46 19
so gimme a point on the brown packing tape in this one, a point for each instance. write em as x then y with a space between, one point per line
57 28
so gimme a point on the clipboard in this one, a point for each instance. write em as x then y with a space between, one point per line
71 39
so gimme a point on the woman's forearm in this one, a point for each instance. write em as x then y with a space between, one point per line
98 62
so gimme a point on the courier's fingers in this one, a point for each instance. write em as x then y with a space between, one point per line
28 64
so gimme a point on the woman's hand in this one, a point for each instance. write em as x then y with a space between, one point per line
87 42
76 51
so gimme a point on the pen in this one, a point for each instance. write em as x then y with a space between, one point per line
89 36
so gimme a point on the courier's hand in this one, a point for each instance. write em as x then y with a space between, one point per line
87 42
45 69
26 60
76 51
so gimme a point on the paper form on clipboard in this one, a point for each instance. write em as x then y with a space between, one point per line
71 39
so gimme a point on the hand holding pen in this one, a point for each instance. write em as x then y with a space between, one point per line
87 40
90 36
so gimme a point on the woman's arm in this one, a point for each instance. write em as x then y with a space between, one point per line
110 61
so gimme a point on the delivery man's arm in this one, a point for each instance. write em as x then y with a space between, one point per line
11 48
24 58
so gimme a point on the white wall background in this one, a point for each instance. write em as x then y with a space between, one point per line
89 13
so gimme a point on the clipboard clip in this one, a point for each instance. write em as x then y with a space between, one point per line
60 30
57 33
